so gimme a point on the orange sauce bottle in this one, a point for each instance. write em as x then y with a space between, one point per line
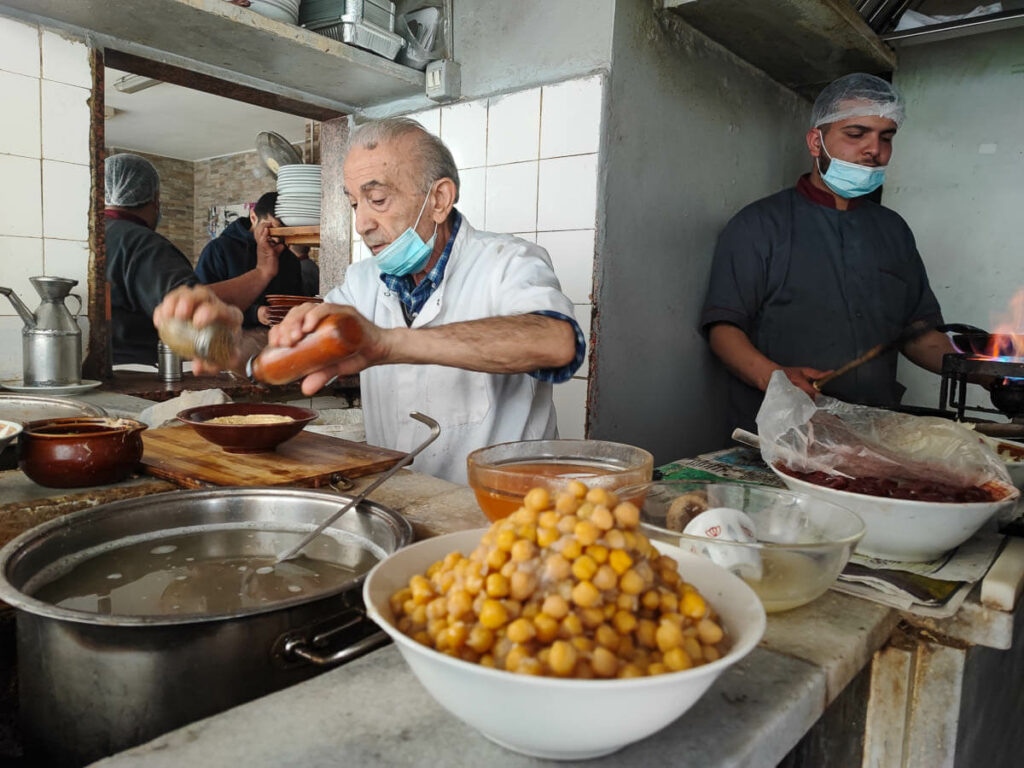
334 339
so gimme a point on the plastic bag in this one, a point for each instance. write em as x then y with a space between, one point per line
858 441
424 40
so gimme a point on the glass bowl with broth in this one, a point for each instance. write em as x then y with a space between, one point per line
500 475
800 543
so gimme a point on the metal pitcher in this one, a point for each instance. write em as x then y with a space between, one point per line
51 340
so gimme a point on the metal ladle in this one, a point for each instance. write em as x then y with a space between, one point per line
435 430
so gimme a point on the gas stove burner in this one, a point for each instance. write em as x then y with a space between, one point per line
1007 396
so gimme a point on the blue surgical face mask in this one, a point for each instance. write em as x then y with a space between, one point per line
407 253
849 179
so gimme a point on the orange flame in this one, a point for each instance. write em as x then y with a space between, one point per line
1007 340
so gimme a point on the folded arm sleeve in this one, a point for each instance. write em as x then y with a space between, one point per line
736 288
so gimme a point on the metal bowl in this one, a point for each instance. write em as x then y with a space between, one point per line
8 431
247 438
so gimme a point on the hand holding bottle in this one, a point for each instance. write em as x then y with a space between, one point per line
199 326
316 342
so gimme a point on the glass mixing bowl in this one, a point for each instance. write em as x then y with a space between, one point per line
802 542
501 474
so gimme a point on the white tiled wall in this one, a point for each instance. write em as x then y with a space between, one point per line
528 166
45 82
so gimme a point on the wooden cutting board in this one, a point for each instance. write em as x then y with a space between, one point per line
307 460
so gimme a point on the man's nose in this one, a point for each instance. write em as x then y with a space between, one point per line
873 148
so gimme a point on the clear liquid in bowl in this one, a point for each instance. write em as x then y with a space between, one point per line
209 571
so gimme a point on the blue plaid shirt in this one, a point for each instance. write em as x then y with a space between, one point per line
413 297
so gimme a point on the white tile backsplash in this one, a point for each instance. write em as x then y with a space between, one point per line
66 200
530 237
19 196
464 131
20 49
20 259
19 125
68 258
572 253
66 61
65 110
512 197
472 198
570 399
571 118
430 119
513 127
10 343
567 193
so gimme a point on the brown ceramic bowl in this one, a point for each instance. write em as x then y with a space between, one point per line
247 438
77 452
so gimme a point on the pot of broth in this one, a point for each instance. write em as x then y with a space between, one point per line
139 616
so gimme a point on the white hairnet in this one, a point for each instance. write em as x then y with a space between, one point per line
857 95
129 180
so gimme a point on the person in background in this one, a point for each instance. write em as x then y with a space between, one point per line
816 275
469 327
310 270
143 266
235 251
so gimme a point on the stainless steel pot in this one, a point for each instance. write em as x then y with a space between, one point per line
91 684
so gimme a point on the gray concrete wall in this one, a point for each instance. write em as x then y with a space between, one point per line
957 177
692 135
507 46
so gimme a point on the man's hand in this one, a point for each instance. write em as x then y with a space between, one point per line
303 320
200 306
267 249
804 377
262 314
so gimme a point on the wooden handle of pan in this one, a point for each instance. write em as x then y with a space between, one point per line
871 354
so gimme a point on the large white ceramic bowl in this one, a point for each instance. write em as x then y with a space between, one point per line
908 530
556 718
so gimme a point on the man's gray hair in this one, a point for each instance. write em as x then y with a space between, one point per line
435 159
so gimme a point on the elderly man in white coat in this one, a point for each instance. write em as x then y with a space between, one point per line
468 327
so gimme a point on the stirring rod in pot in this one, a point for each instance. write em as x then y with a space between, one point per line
435 430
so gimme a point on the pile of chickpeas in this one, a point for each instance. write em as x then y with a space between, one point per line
564 587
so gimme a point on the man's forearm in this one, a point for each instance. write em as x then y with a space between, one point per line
243 290
734 348
517 344
928 349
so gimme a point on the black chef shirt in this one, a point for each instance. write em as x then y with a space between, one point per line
142 268
815 286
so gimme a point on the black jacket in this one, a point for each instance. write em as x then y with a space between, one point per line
233 253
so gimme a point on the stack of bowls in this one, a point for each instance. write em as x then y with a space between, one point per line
278 305
298 195
281 10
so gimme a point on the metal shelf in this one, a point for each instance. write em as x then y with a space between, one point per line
803 44
232 43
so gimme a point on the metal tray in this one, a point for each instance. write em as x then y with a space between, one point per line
25 408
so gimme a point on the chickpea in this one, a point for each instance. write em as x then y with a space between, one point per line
631 583
624 621
602 518
677 659
557 568
570 626
605 578
709 632
563 658
567 524
546 627
585 594
480 638
522 585
496 558
555 606
547 536
521 631
584 568
566 504
694 605
493 614
586 532
604 662
668 636
577 489
627 514
537 499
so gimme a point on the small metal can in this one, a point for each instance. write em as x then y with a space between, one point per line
168 363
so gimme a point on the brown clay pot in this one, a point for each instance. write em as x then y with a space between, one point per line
79 451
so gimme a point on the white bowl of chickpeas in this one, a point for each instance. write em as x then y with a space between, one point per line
561 631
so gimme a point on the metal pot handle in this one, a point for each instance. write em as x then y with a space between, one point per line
77 298
299 646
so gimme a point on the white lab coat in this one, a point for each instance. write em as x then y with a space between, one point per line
487 275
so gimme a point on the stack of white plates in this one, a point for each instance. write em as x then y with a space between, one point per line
298 195
282 10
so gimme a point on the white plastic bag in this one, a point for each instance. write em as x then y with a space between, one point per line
858 441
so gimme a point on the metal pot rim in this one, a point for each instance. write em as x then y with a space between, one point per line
22 543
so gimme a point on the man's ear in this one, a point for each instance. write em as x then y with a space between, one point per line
814 142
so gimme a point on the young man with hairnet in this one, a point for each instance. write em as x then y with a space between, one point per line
144 266
469 327
814 276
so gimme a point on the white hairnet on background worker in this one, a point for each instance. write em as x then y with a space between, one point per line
129 180
857 95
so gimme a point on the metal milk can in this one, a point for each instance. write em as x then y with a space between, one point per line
51 340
